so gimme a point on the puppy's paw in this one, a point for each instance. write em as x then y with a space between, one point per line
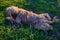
9 20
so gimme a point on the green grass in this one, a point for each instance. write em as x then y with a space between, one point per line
7 32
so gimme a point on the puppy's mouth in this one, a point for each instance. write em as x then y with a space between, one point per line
14 16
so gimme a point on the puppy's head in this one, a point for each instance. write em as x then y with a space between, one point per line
12 11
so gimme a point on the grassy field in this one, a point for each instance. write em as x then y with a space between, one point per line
8 32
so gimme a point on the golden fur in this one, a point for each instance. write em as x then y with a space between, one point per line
29 17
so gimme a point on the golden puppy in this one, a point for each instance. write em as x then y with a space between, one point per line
20 15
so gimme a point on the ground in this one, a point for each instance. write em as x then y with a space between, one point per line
8 32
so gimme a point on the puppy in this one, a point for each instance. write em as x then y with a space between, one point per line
34 19
20 15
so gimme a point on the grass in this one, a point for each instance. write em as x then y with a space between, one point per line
8 32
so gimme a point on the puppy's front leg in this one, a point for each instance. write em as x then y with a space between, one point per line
10 19
18 20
